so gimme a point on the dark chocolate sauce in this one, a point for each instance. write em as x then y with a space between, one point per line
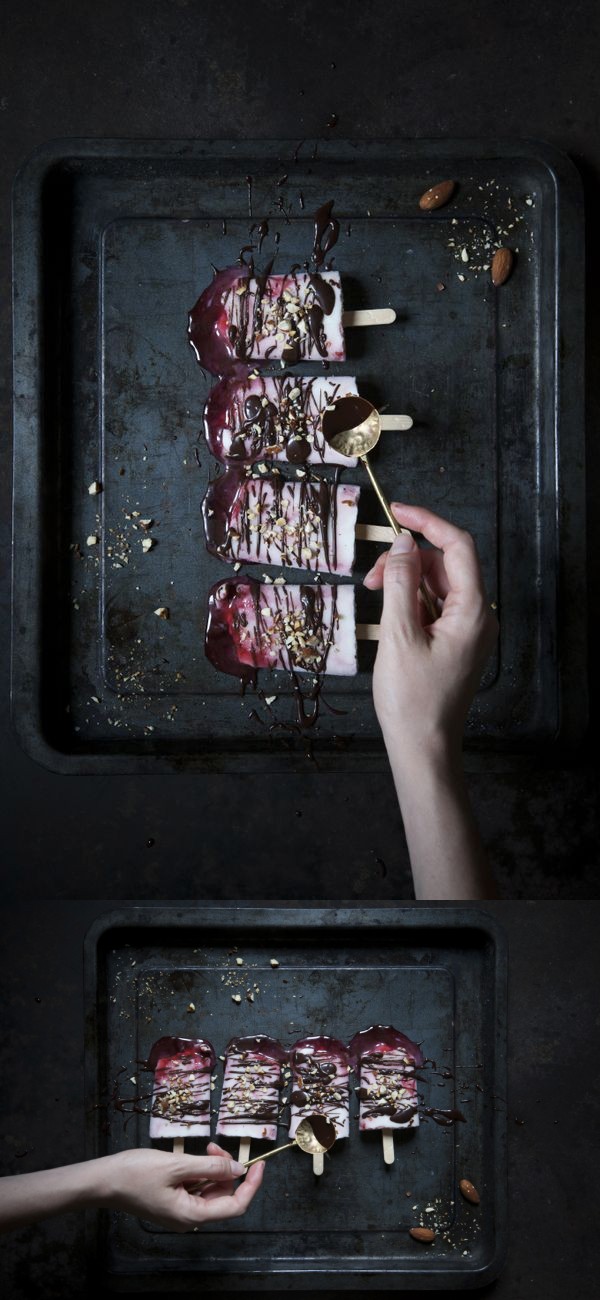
249 184
324 1131
327 229
343 414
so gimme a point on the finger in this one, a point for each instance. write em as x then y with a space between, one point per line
214 1150
374 578
432 565
213 1168
230 1207
434 571
460 555
401 577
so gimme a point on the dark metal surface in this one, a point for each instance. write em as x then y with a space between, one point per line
120 237
438 974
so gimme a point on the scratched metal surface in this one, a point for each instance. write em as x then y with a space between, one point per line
125 234
441 979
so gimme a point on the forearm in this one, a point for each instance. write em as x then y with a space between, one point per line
26 1198
447 856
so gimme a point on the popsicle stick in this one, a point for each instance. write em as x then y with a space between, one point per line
319 1164
374 533
369 316
387 1137
367 631
178 1146
244 1151
396 421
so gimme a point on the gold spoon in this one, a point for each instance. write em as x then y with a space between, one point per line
306 1139
352 426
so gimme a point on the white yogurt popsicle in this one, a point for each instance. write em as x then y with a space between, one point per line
181 1091
253 625
245 316
252 1082
320 1082
301 525
248 417
385 1060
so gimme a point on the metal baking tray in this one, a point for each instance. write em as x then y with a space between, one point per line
439 974
113 241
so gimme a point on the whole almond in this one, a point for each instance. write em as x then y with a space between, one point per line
502 265
422 1234
437 196
469 1192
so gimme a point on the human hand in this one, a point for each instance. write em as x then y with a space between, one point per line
426 674
154 1185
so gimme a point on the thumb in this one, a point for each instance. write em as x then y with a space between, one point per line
401 578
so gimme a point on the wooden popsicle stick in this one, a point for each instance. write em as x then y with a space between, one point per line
369 316
178 1146
244 1151
387 1137
319 1164
367 631
396 421
374 533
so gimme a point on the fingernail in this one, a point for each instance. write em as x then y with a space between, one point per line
402 543
237 1168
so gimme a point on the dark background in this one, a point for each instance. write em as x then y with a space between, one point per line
554 965
176 68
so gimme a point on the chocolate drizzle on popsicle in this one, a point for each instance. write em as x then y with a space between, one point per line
247 315
252 1083
388 1058
320 1078
182 1068
272 521
246 418
244 634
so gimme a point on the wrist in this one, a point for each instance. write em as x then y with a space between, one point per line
101 1179
434 755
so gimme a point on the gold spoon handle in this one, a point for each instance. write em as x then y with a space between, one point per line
255 1159
432 612
394 522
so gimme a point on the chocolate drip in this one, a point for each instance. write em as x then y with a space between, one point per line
327 229
443 1117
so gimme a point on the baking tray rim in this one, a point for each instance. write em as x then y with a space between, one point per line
569 435
371 915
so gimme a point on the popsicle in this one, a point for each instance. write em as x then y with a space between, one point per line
252 1083
385 1061
247 316
251 416
297 628
303 524
181 1092
320 1085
